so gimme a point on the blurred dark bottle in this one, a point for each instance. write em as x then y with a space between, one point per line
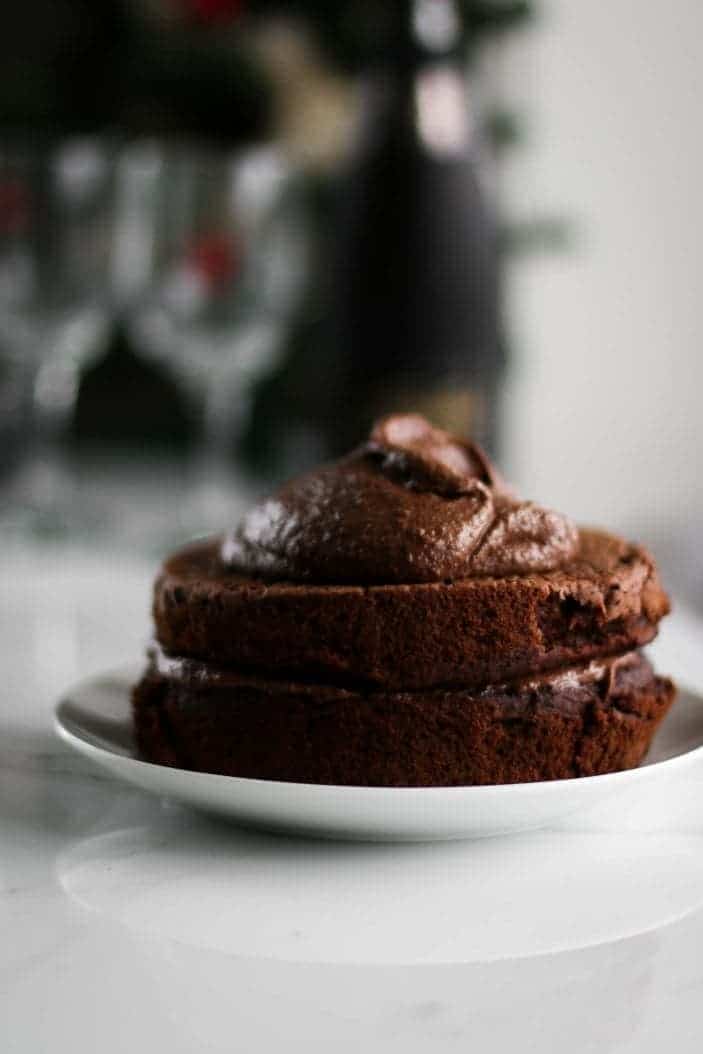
415 295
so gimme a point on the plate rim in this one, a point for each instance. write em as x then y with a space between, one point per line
125 672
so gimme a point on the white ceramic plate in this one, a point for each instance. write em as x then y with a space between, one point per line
94 719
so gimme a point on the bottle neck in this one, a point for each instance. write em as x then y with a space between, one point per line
425 110
417 100
424 32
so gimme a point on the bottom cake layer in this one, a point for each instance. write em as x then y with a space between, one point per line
578 722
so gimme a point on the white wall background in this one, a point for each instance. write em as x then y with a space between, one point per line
604 407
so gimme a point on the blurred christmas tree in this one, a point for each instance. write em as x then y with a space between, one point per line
200 70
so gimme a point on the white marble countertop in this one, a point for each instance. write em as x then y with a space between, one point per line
130 924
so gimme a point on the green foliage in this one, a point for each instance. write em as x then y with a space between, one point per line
539 234
502 129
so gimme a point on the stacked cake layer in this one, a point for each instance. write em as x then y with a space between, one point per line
399 618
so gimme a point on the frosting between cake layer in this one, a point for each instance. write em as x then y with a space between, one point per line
563 688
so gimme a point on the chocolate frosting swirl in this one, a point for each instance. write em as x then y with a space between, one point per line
412 504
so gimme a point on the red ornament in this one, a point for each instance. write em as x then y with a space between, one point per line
214 258
208 12
15 206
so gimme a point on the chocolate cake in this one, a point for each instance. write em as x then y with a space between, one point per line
401 618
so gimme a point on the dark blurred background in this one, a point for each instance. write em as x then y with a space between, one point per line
233 232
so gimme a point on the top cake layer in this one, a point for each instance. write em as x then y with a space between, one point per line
475 631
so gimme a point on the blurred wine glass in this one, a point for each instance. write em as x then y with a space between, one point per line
230 260
55 214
